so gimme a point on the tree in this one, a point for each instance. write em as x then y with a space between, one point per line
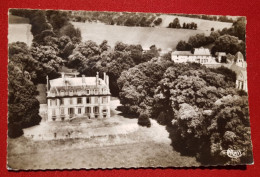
144 120
48 58
212 29
183 46
72 32
228 44
240 28
19 54
230 128
184 25
38 22
23 107
175 23
137 85
158 21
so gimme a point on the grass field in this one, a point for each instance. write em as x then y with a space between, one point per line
163 38
19 29
12 19
143 147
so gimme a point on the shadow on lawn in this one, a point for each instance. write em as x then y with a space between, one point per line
123 112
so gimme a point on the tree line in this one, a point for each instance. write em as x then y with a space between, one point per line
221 18
176 24
116 18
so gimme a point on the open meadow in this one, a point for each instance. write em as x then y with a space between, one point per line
163 38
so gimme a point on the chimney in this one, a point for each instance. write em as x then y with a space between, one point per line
104 77
62 75
83 79
97 78
47 78
107 81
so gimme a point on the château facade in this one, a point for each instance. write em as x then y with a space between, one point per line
73 97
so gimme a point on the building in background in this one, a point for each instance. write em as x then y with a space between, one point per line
239 67
200 55
78 97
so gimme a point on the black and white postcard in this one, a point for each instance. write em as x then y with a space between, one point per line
98 90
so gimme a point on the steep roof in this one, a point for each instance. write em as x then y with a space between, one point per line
75 81
185 53
238 56
201 51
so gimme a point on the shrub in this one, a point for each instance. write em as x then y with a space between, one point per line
14 130
144 120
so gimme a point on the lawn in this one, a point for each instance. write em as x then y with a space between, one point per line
114 143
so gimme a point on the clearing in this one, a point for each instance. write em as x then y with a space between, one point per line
110 147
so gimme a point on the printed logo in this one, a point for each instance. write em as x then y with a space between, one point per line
234 154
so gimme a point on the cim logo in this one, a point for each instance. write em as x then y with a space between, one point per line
233 153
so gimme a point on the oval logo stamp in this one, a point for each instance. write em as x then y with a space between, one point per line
234 153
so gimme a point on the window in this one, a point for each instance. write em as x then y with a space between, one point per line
87 110
79 100
104 100
62 93
87 92
88 100
96 109
71 92
79 110
71 111
62 111
62 101
96 92
96 99
71 101
104 111
53 102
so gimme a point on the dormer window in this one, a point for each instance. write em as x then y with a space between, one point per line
88 92
96 91
62 92
71 92
79 92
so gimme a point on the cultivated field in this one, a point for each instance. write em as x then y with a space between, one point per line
107 148
163 38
